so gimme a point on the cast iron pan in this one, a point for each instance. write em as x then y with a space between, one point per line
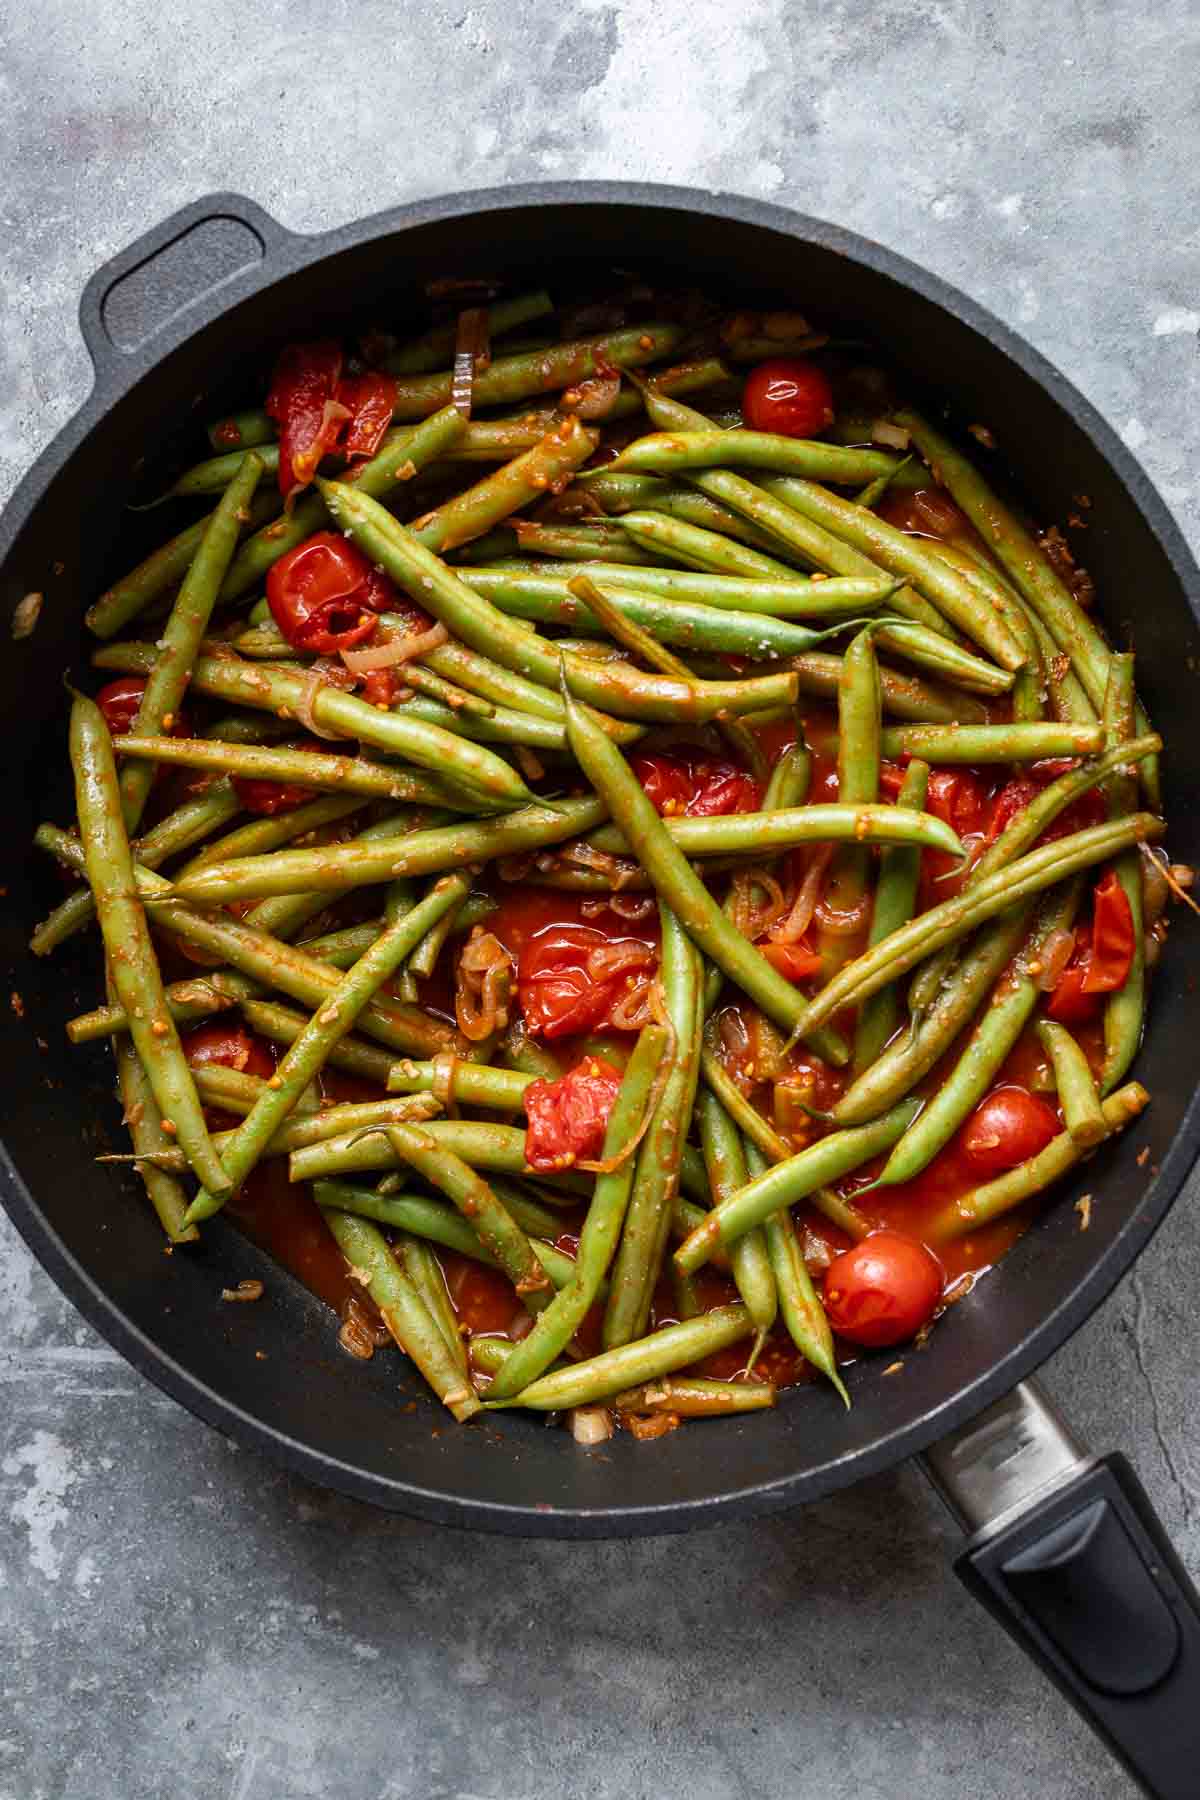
175 326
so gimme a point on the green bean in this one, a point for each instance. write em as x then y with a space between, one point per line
434 347
344 946
331 1022
630 493
187 825
697 1397
601 542
744 834
904 696
179 645
788 1182
873 492
363 863
462 1083
859 726
233 1090
905 556
1124 1010
1029 683
541 593
141 1114
241 431
1077 1096
283 691
679 888
676 452
647 1220
258 836
557 1325
749 1258
688 624
423 1269
404 1311
992 743
424 958
710 552
998 1026
430 1220
111 874
310 768
480 675
272 1020
946 923
283 915
478 1203
802 1311
508 379
627 693
995 1198
499 1149
163 569
627 1365
895 902
1022 832
308 1125
393 464
527 477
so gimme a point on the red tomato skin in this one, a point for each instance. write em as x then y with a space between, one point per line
371 398
270 797
1016 795
1070 1003
567 1118
302 402
1008 1127
230 1045
1111 956
324 595
883 1290
796 962
700 787
558 995
788 395
120 701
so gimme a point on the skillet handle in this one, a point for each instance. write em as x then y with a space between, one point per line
1071 1558
153 287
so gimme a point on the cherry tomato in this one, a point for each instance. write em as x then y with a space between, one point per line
1016 795
1070 1004
1112 938
561 984
960 798
567 1118
370 398
788 395
883 1290
701 787
796 961
119 701
230 1045
929 512
1008 1127
302 402
324 595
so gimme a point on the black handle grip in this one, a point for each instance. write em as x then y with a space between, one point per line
1087 1582
155 281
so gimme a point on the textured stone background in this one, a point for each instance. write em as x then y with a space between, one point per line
177 1617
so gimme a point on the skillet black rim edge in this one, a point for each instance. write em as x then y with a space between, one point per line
1023 1357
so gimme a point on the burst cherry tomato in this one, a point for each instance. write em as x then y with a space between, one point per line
1008 1127
567 1118
883 1290
788 395
795 961
119 701
369 398
1112 938
324 595
562 983
701 787
230 1045
1016 795
318 409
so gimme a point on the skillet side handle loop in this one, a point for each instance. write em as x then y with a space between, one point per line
152 292
1084 1578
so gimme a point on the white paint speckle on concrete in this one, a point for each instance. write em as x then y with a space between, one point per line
51 1471
1134 434
1177 321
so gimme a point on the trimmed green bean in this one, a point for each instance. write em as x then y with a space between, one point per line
259 835
995 1198
436 1223
1082 1113
241 431
647 1358
310 768
141 1115
710 552
404 1311
859 727
904 696
1026 742
697 1397
423 1269
1124 1010
498 496
433 348
111 874
463 1083
280 1023
802 1311
508 379
677 452
725 1161
541 592
163 569
895 902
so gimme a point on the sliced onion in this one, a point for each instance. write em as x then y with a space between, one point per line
1056 954
843 924
311 684
633 908
591 1424
607 960
884 432
395 650
471 354
632 1010
483 984
758 902
793 928
1154 886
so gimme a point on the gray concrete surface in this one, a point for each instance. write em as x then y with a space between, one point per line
178 1618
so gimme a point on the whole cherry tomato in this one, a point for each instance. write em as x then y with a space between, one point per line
1008 1127
567 1118
324 595
561 982
229 1044
883 1290
119 701
788 395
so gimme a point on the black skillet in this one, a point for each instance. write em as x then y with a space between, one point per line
1066 1550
